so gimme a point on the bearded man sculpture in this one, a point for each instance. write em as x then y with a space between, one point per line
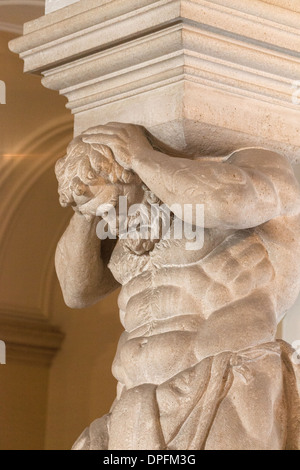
198 366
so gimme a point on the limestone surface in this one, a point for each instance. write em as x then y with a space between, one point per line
198 365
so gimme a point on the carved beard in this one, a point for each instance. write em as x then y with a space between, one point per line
140 247
142 244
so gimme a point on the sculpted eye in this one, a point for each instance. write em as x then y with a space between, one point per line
90 175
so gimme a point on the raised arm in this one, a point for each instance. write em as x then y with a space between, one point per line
89 179
81 264
249 188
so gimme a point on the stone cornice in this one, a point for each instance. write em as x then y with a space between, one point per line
197 64
116 21
29 340
158 46
169 55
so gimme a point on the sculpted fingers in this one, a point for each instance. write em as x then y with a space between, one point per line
102 129
119 129
126 128
126 141
112 128
117 148
101 138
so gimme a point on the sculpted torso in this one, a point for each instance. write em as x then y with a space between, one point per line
181 306
178 307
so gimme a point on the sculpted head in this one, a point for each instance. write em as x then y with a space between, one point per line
91 181
89 176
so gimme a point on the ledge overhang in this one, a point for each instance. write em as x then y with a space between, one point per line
34 341
205 77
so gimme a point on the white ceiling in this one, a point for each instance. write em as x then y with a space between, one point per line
14 13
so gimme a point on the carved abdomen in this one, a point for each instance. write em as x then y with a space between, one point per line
164 307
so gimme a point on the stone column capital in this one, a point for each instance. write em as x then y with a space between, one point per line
206 77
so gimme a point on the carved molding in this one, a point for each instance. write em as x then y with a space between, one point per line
34 341
110 23
53 5
177 59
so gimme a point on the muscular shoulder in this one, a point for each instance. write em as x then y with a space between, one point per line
275 168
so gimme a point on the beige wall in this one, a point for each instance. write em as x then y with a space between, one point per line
30 220
23 405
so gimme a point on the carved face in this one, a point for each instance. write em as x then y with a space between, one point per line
95 196
89 176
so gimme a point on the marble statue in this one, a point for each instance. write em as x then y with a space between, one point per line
198 365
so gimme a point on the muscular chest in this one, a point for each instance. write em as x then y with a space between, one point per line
222 254
171 280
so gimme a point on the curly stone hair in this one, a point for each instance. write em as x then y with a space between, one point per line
86 165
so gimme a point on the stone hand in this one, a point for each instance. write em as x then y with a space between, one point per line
89 177
127 141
